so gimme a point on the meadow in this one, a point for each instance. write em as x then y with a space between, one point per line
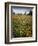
21 25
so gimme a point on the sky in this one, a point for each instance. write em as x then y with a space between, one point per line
21 10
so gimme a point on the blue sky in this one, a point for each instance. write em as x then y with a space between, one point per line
21 10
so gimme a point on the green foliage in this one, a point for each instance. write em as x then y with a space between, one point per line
22 25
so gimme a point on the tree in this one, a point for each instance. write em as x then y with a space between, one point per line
19 14
13 13
25 13
30 13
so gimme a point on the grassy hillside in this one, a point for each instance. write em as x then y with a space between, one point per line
21 25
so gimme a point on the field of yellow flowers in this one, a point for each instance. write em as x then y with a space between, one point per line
21 25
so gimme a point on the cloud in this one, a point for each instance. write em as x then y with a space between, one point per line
21 10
